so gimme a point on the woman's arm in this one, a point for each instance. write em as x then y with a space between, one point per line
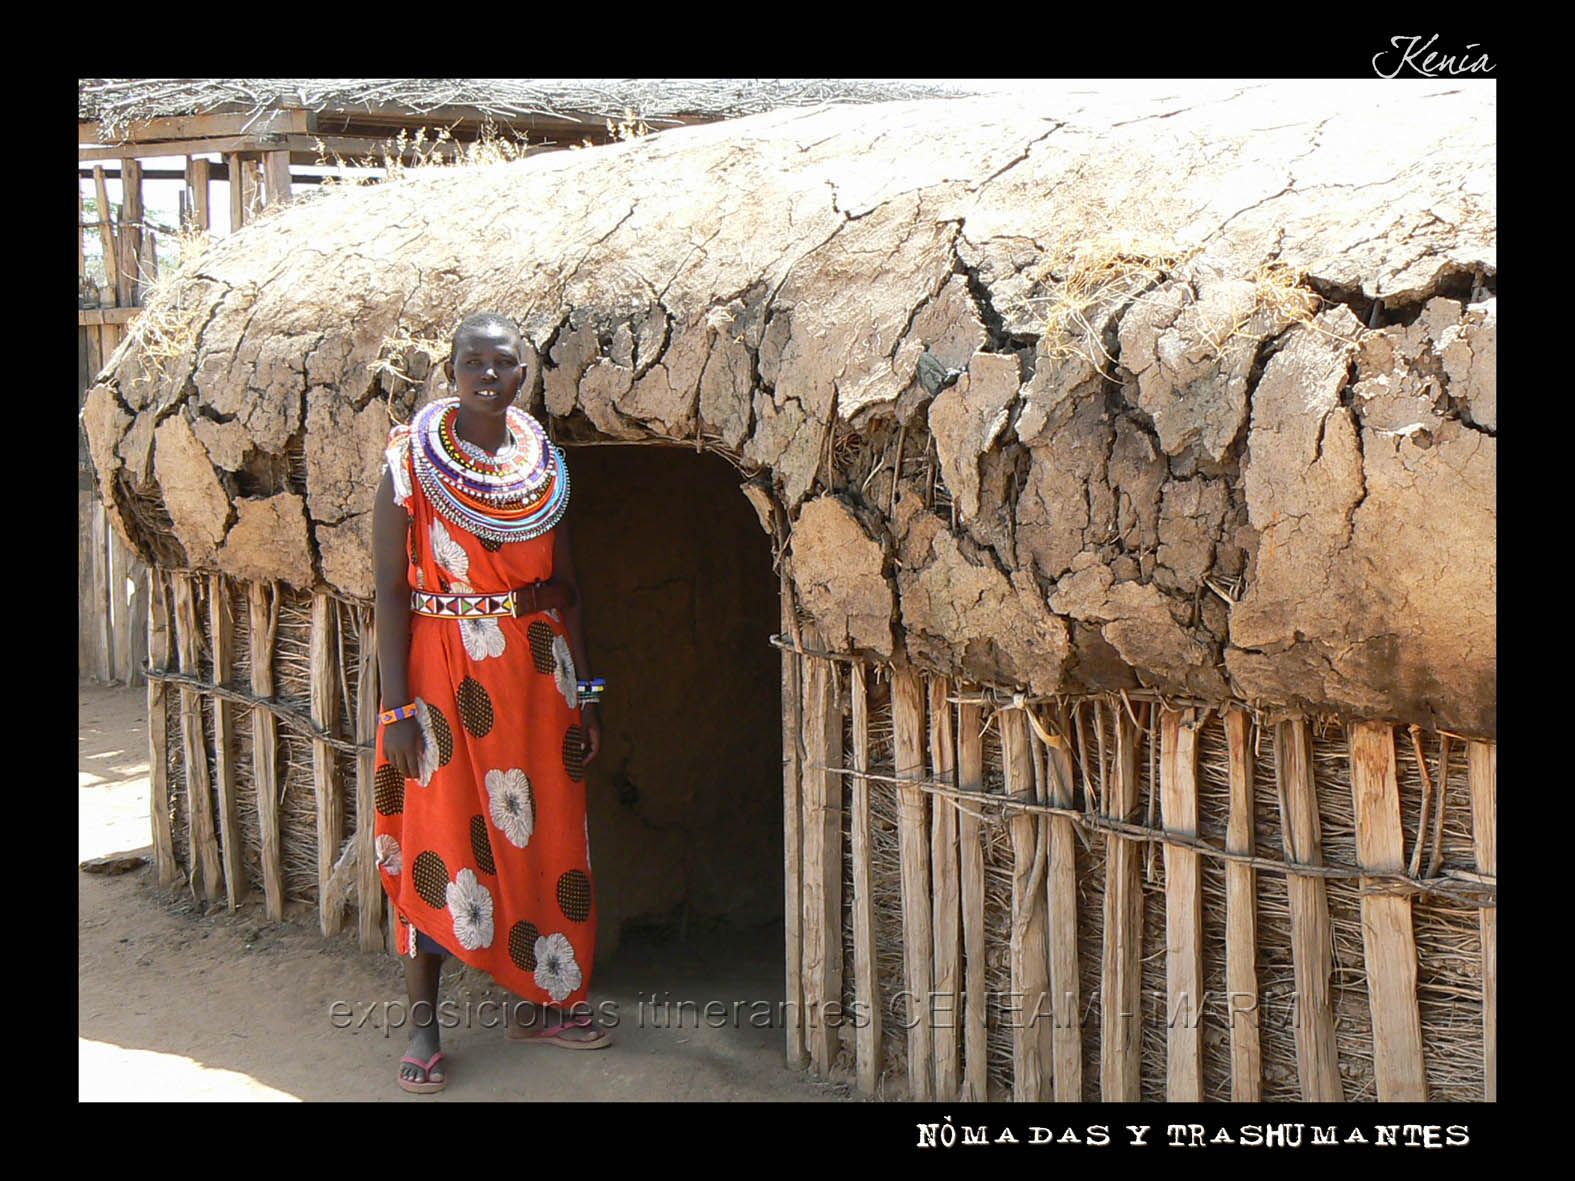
574 624
390 528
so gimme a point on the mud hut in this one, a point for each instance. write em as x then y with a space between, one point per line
1121 557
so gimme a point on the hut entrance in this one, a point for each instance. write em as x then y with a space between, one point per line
686 795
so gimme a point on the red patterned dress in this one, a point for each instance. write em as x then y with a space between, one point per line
487 852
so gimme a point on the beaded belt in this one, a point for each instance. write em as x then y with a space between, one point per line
462 606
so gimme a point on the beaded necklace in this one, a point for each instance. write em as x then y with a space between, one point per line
519 493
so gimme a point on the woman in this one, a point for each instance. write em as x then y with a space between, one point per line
486 728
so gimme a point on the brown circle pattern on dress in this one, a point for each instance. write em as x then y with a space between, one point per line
541 636
430 876
443 734
475 707
388 790
481 844
489 545
414 560
574 895
522 945
574 753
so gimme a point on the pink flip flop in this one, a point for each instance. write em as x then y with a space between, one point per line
552 1035
427 1087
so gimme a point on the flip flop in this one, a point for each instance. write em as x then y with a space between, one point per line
553 1035
428 1086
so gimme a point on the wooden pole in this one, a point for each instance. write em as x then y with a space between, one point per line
907 707
866 992
369 887
1388 942
130 288
276 177
970 777
221 634
102 663
81 251
1241 941
251 186
263 605
106 231
1121 983
1316 1059
120 605
1178 808
237 193
137 620
1061 899
946 918
325 778
206 866
1483 774
197 179
792 830
158 735
1032 1041
822 858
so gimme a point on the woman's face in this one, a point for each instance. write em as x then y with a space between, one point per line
486 369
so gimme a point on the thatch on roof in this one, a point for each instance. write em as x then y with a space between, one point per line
116 102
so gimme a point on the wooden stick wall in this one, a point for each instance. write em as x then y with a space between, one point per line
1085 764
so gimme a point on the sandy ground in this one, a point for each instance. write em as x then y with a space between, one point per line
175 1003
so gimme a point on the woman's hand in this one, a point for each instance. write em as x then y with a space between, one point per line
402 746
591 724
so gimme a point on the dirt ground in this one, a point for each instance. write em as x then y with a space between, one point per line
175 1003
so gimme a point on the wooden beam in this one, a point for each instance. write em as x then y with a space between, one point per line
129 286
1178 807
237 199
866 990
95 317
822 857
1121 979
907 707
1317 1061
149 132
158 734
221 635
1388 942
276 177
792 829
1241 941
106 232
970 846
369 885
324 690
946 916
119 604
198 171
251 186
1483 773
81 252
1029 957
205 866
224 145
1061 900
263 605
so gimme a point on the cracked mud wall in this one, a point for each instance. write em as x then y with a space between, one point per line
1191 485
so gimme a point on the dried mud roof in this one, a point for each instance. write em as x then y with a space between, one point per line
1191 395
117 102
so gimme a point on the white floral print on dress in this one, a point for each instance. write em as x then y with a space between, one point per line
513 811
429 746
563 670
449 553
557 971
470 904
388 854
482 637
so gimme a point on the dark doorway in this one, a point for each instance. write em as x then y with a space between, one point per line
686 796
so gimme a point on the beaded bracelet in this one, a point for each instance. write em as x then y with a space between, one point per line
390 716
590 691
